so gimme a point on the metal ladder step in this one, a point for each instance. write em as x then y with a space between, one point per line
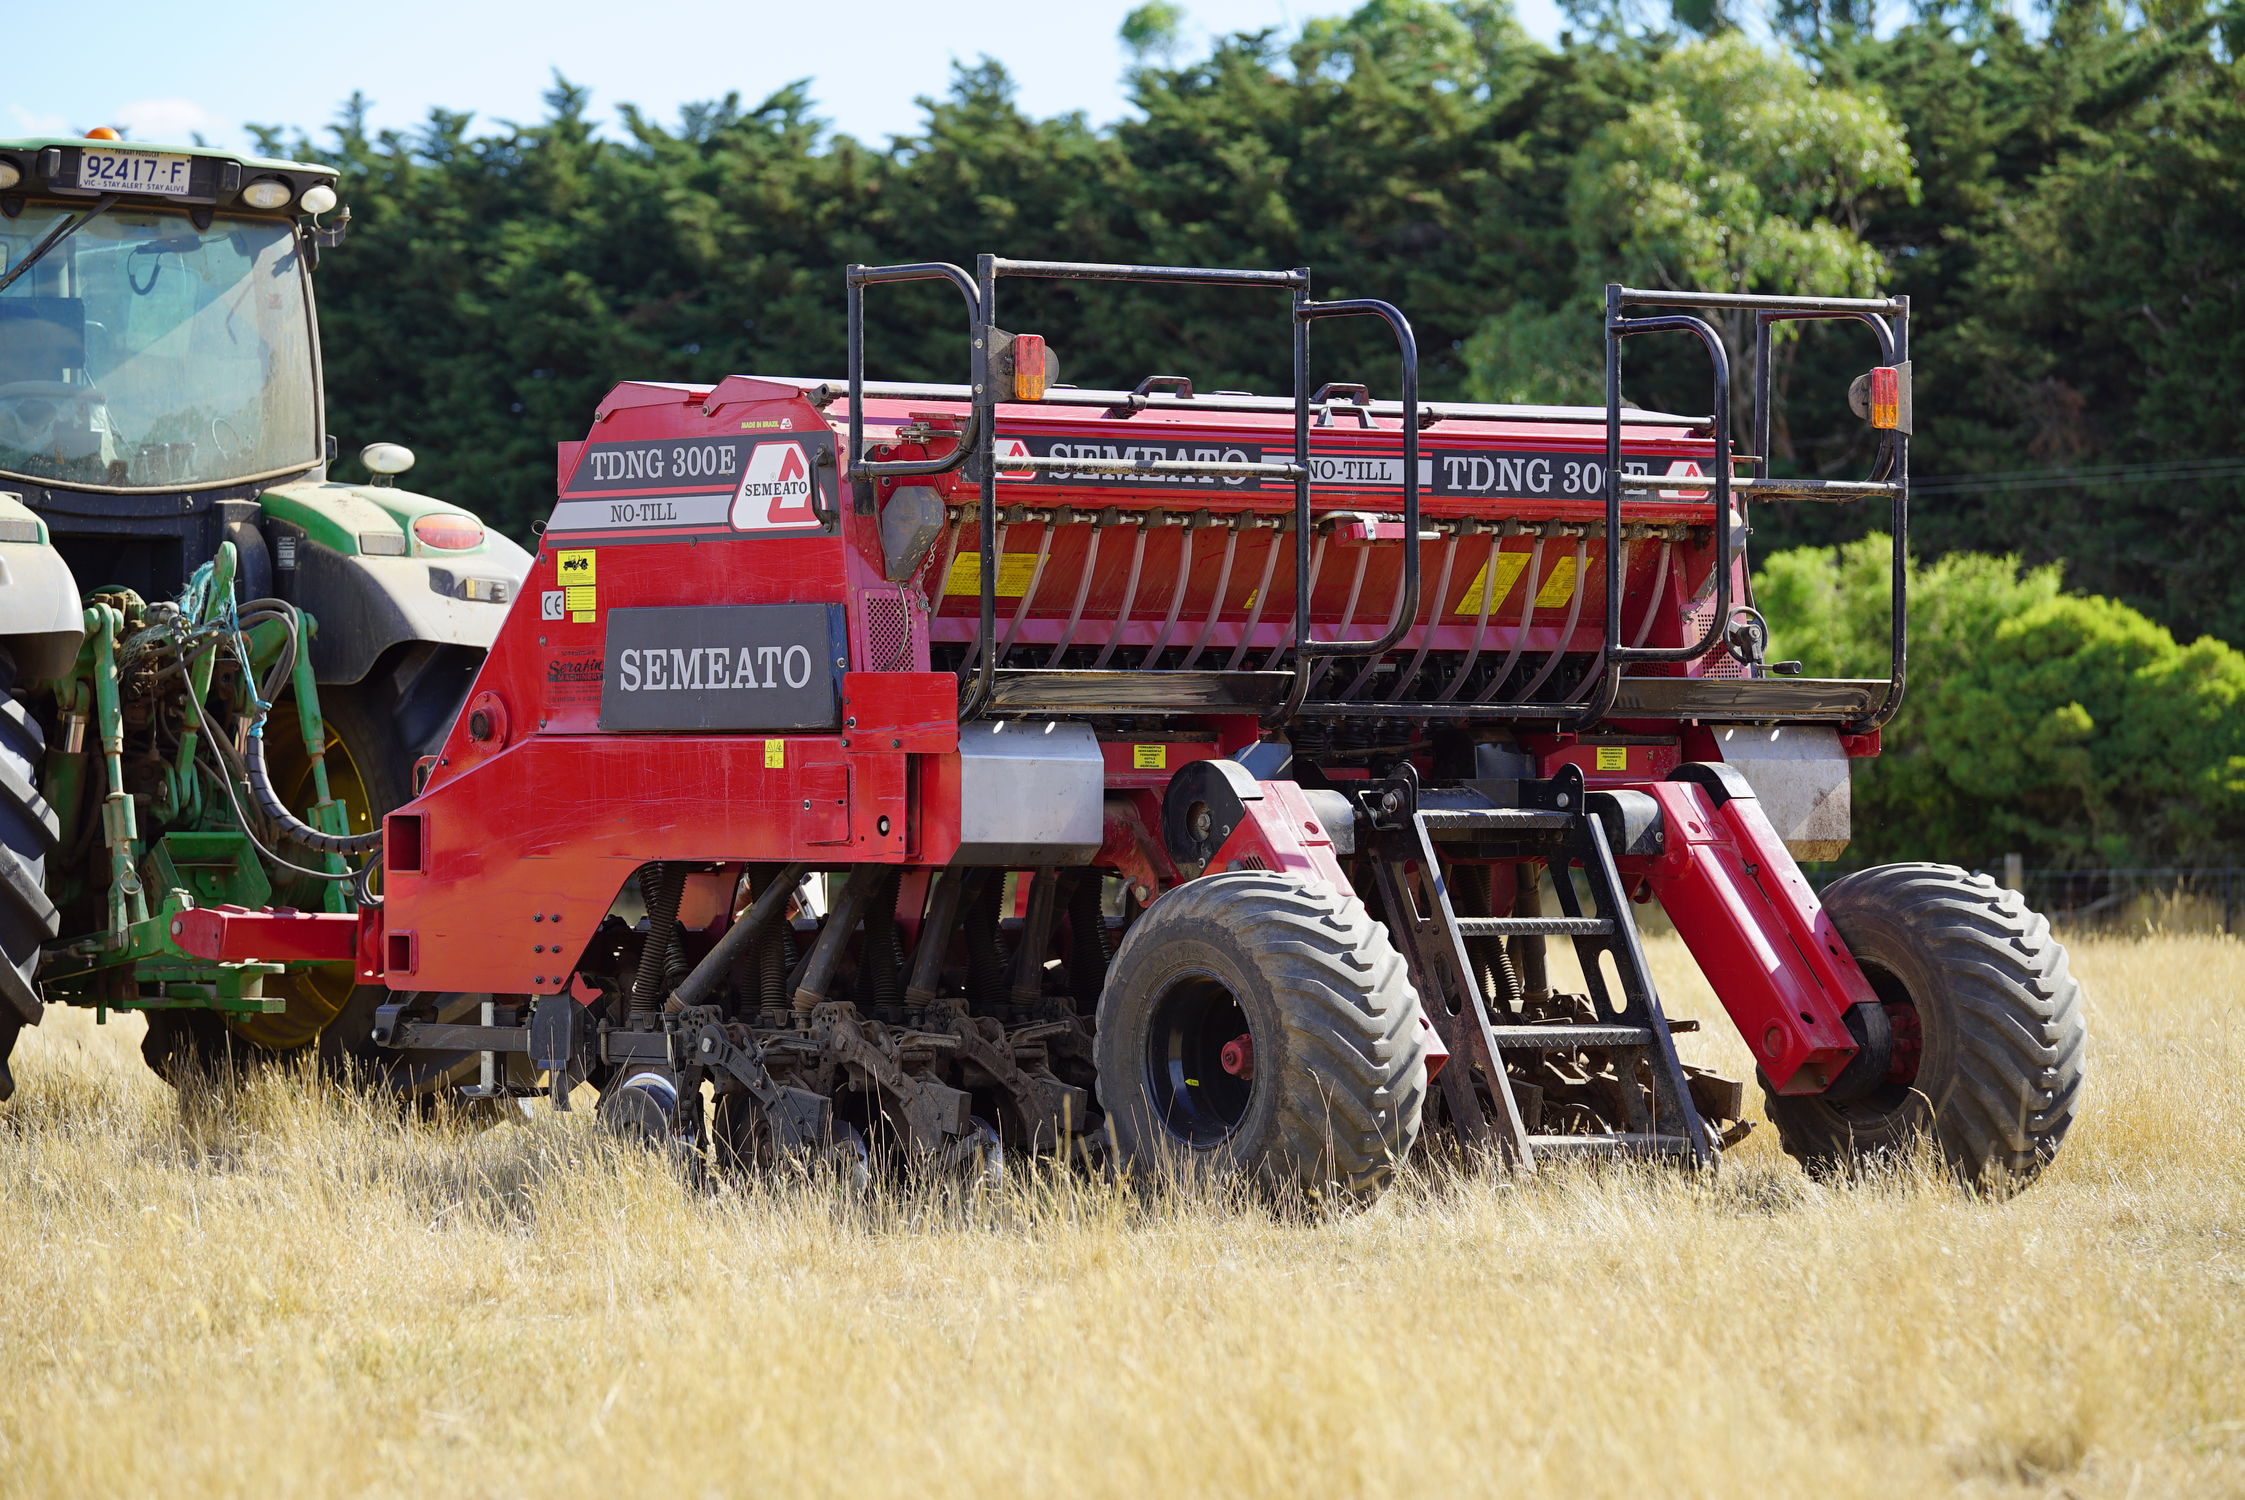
1548 1146
1534 927
1567 1038
1440 820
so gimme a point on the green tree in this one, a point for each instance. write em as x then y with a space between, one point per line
1739 172
2066 727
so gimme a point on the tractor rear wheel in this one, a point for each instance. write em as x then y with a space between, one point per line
370 771
1258 1024
27 837
1987 1024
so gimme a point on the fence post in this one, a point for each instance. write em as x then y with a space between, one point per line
2015 874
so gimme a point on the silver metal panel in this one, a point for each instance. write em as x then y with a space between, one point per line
1030 793
1800 776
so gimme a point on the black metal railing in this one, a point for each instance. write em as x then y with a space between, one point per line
1595 683
976 450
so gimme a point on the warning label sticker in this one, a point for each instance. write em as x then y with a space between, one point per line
1508 566
578 570
1014 572
1149 757
1613 757
1558 584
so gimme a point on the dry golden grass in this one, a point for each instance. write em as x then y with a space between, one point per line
285 1294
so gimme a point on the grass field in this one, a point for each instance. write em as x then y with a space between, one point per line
285 1293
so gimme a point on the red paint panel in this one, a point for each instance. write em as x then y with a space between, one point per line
524 853
911 711
1761 937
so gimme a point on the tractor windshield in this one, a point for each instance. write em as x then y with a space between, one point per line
143 353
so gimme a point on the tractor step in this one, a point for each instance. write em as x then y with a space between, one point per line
1473 820
1626 1144
1567 1038
1488 927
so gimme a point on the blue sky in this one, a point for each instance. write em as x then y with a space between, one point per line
213 68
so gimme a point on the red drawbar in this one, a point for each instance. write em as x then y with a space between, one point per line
1749 916
274 935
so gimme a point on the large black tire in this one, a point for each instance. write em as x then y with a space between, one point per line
27 837
370 769
1331 1100
1972 973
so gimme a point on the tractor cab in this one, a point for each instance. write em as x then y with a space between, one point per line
155 317
156 334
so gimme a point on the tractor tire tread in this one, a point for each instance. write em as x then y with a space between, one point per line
28 836
1349 1104
2011 1017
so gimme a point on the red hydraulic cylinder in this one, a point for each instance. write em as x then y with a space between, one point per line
1750 918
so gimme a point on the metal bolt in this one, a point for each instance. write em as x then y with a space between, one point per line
882 827
537 916
1141 893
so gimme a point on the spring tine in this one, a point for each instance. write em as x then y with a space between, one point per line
1029 594
1598 662
1527 584
1481 621
1317 571
1372 663
1660 591
1129 597
1083 592
997 551
1215 600
1258 599
1566 631
1348 615
953 529
1176 598
1434 614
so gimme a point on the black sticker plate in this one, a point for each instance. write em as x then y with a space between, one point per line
724 666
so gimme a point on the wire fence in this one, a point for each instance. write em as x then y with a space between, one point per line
2168 896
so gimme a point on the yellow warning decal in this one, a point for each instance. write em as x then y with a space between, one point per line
1559 587
581 600
1149 757
1613 757
575 566
1509 565
775 755
1014 570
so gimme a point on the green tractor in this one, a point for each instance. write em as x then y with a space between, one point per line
218 666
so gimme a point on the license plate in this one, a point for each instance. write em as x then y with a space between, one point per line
135 172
